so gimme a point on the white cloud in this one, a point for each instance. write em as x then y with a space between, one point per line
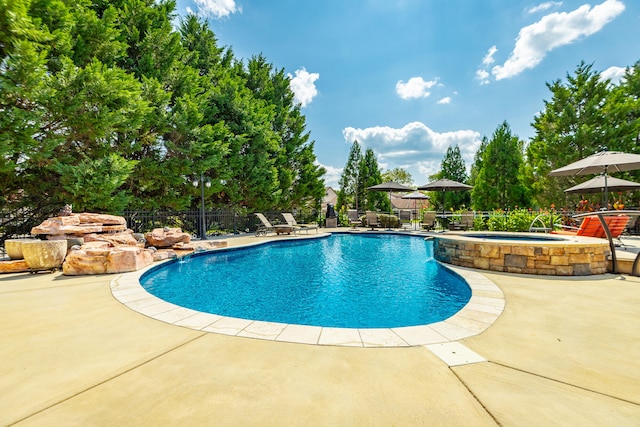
544 6
445 100
555 30
217 8
303 86
331 176
482 76
416 87
615 74
488 58
414 147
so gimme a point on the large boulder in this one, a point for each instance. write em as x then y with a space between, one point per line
59 225
80 223
98 260
166 237
92 218
13 266
114 239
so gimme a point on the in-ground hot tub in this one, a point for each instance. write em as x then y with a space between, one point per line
527 253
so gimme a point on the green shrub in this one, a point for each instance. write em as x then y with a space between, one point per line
388 221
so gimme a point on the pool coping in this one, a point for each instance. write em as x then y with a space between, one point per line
483 309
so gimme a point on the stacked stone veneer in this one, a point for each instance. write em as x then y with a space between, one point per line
582 257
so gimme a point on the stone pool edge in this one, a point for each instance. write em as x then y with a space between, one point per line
483 309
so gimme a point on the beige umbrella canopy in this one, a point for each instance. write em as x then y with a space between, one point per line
602 162
445 185
390 186
597 185
416 195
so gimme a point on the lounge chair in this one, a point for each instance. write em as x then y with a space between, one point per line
354 219
291 221
266 227
429 220
372 219
592 227
465 223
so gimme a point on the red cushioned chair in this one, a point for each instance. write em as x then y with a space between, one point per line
592 227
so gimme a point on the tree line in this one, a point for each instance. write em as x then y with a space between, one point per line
585 115
107 106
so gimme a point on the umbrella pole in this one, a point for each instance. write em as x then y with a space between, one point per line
606 192
390 211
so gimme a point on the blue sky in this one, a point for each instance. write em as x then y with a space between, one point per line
409 78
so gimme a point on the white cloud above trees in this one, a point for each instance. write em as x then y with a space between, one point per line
303 86
217 8
614 74
414 147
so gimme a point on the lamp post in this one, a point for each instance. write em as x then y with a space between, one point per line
202 182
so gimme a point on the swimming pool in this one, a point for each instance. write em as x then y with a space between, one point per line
343 281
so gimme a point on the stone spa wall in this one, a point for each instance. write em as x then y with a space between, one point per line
570 256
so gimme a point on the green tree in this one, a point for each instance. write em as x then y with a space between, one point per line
370 175
452 167
501 186
477 165
94 84
573 125
350 179
399 175
299 178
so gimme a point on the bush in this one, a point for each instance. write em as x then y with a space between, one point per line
388 221
516 220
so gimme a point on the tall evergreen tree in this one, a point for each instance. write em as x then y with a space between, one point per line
499 183
370 175
573 125
350 179
108 89
453 168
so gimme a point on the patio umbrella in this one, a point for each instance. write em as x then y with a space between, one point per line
415 196
597 184
390 186
445 185
602 162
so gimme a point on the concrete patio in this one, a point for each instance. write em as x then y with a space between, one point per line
565 351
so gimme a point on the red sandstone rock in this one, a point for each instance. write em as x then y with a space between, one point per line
164 254
105 261
87 217
166 238
13 266
80 262
51 226
96 244
81 223
203 245
114 239
125 259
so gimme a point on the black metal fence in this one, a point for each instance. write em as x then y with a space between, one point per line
220 221
17 223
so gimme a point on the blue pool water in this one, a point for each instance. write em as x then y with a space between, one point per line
350 281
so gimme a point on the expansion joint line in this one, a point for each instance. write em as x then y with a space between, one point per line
98 384
476 397
566 383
